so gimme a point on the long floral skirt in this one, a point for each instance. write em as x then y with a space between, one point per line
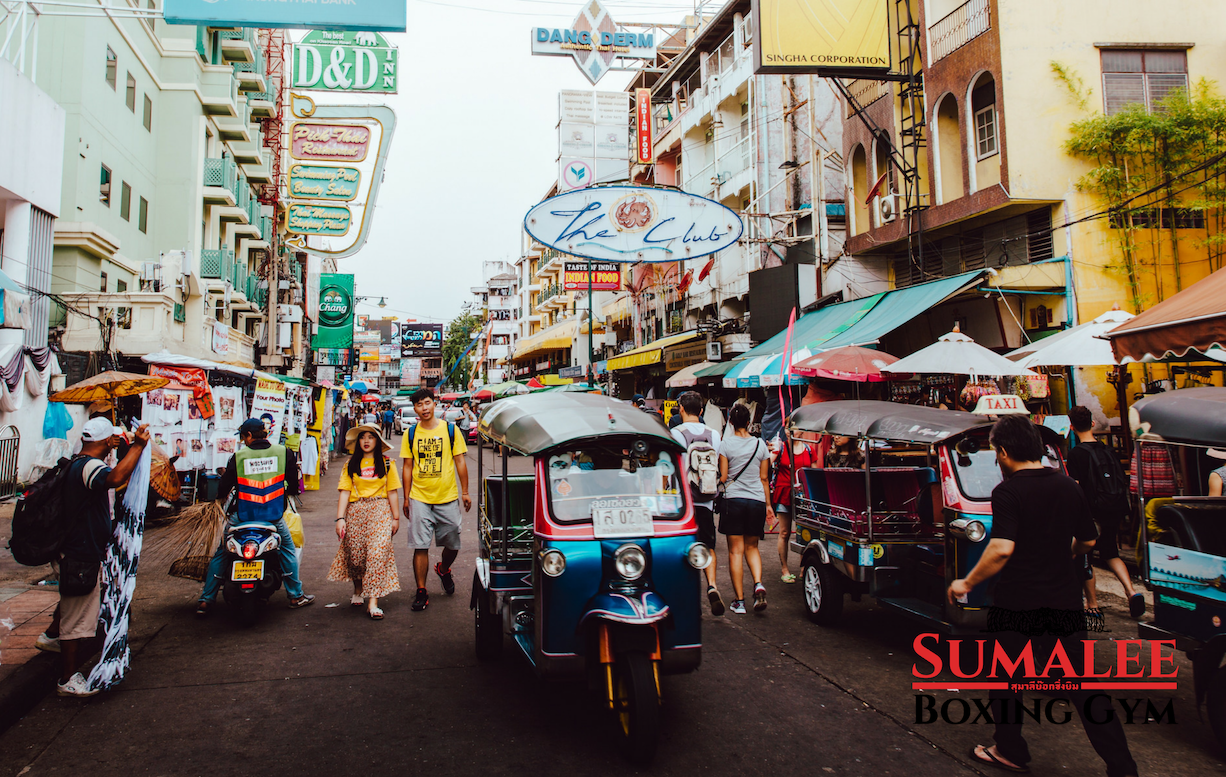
366 555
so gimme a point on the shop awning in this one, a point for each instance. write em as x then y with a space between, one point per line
1183 326
650 353
554 338
857 322
689 375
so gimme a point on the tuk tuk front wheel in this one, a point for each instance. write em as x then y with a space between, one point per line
823 592
488 625
1216 702
636 704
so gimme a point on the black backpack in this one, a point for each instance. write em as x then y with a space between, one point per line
1109 493
40 520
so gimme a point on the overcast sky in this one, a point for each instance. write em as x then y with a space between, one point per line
475 144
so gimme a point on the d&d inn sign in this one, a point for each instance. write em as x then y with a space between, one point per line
633 224
337 61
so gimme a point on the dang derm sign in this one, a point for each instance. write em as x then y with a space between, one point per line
633 224
363 15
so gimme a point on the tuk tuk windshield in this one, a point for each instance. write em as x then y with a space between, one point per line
584 480
976 469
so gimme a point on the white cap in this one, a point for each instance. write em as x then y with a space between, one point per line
99 429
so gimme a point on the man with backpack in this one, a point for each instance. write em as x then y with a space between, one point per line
433 454
702 473
1102 479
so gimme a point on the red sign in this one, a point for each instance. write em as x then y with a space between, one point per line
642 107
329 142
606 276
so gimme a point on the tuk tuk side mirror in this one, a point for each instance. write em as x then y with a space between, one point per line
964 449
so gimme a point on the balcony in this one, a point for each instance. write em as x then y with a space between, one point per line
217 264
731 168
238 45
218 91
234 128
260 171
551 263
250 76
548 292
220 182
958 28
249 151
263 104
865 93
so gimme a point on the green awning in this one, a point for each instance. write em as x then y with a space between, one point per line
715 370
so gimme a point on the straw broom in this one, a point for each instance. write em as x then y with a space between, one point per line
187 543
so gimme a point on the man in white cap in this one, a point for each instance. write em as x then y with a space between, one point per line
89 534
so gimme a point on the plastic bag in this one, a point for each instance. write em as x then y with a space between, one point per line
56 422
294 521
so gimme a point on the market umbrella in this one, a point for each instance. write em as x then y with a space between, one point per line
498 390
687 376
1081 346
358 386
108 385
535 384
575 388
956 354
851 362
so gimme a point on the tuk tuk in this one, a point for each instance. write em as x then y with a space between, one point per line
590 564
914 518
1183 559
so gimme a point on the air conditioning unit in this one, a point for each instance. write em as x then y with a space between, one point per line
887 208
149 271
715 351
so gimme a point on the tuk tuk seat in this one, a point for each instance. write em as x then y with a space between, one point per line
1195 524
522 494
898 497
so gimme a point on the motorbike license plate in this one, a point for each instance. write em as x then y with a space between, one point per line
621 518
247 570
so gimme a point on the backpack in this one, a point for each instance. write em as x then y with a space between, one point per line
450 436
1109 493
701 465
41 520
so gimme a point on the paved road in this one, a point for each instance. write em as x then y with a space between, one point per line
326 691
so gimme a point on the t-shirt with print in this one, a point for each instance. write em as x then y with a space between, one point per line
90 533
433 455
738 451
368 483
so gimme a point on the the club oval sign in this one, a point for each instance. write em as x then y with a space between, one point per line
633 224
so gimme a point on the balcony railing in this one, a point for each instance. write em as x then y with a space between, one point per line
733 149
548 293
962 25
217 263
243 33
865 93
222 173
723 57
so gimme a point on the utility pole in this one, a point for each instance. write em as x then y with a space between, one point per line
591 353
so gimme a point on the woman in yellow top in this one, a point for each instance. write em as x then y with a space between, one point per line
367 517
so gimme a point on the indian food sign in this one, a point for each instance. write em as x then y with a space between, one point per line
606 276
633 224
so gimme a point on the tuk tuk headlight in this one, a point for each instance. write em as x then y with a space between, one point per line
553 563
968 529
699 556
630 562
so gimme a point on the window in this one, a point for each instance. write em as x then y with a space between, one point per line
1141 77
112 67
130 97
148 118
121 286
102 287
104 188
983 108
125 202
1158 218
143 216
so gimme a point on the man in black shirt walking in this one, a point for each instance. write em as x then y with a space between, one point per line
1040 522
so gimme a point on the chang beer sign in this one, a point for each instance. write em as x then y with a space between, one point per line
335 328
340 61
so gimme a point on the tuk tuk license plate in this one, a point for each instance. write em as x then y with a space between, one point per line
622 521
247 570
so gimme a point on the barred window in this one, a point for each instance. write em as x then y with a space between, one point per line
1141 77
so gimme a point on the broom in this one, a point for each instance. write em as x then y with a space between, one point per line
187 543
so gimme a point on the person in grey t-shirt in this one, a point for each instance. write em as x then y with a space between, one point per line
744 465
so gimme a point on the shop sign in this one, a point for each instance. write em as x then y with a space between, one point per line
309 219
221 338
341 61
1000 404
335 330
848 39
421 340
644 152
325 374
329 142
633 224
336 357
389 353
323 182
1038 385
571 372
606 276
594 41
382 15
268 404
369 353
682 356
543 365
410 372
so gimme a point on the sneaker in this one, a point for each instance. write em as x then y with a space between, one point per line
76 686
759 598
717 604
421 601
1136 605
301 601
737 606
448 582
49 644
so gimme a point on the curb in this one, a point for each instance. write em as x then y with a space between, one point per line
26 687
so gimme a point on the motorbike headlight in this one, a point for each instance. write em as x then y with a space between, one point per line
553 563
699 556
968 529
630 562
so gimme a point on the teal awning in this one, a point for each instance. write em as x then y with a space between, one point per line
715 370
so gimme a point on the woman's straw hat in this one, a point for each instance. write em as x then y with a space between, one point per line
351 437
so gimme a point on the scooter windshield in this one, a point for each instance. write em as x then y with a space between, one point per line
599 478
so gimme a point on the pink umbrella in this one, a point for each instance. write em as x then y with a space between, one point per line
851 362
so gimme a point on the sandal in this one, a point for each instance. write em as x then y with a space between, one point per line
376 614
992 760
355 601
788 578
203 608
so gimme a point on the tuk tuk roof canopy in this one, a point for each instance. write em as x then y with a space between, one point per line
533 423
1192 415
884 421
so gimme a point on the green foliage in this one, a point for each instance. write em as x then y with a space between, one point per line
457 339
1076 87
1143 162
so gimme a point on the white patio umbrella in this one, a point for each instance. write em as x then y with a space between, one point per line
957 354
1080 346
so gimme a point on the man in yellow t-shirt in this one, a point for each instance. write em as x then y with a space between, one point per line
430 468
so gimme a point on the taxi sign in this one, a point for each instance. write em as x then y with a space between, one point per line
1000 404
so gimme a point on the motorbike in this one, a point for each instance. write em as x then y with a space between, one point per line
590 565
252 568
